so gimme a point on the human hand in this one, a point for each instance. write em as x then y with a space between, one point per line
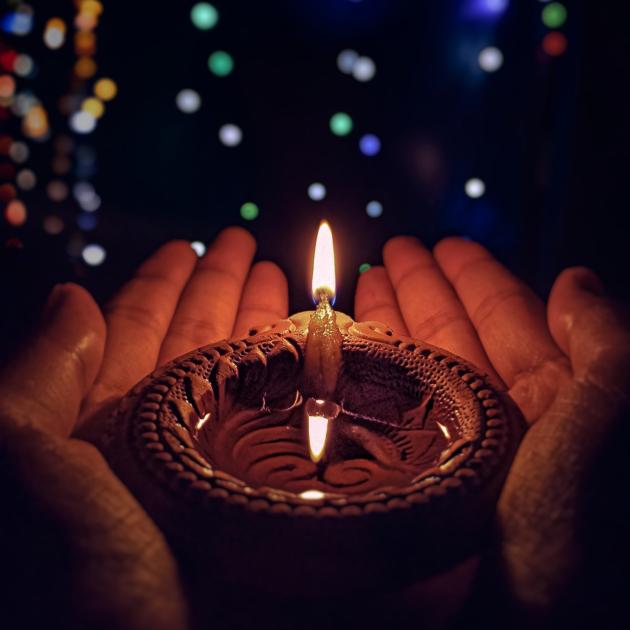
77 547
566 366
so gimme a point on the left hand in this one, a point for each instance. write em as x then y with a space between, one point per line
77 547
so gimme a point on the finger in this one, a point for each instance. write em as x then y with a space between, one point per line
588 327
208 305
375 301
46 382
138 318
510 321
265 298
432 311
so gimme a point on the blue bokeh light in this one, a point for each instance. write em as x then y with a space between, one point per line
370 144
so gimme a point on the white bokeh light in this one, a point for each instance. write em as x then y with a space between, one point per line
374 209
490 59
364 69
199 248
91 203
82 122
93 255
188 101
316 191
230 135
475 188
54 37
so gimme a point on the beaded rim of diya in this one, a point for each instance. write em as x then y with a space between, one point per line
317 454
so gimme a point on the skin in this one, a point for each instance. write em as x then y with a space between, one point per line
565 364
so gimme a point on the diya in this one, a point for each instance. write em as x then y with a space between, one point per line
317 455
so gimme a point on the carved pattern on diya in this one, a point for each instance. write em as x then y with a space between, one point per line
225 423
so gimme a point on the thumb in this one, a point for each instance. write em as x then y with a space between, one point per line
591 330
44 384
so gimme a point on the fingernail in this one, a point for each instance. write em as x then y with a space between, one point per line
55 297
589 281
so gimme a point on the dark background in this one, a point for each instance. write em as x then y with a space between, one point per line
548 135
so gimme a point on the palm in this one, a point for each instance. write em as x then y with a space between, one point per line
551 362
80 367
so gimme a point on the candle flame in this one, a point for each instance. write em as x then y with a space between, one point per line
317 434
324 264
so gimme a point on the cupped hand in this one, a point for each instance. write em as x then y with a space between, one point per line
77 548
566 365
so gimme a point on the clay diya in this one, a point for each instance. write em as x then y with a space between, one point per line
317 455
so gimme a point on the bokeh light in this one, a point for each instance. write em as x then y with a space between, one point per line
53 224
15 213
374 209
220 63
363 267
35 123
204 16
188 101
93 106
199 248
230 135
57 190
369 144
475 188
490 59
105 89
7 192
346 60
554 15
19 152
26 179
82 122
316 191
341 124
55 33
554 44
23 65
85 67
87 221
249 211
7 86
93 254
18 22
364 69
61 165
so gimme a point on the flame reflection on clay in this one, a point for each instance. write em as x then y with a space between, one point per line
312 495
444 429
317 433
202 421
324 264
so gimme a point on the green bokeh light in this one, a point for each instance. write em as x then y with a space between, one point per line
204 16
364 267
220 63
554 15
249 211
341 124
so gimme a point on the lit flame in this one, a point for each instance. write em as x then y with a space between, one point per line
324 264
317 433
